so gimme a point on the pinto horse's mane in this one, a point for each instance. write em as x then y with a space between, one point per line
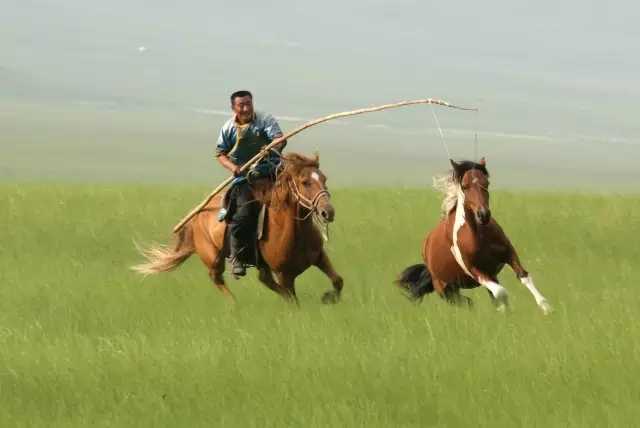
449 184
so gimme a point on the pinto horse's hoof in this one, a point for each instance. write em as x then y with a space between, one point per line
330 297
545 307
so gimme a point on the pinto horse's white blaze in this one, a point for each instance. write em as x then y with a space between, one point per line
458 223
315 176
497 291
527 281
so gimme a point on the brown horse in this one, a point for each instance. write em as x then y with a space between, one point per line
468 248
297 206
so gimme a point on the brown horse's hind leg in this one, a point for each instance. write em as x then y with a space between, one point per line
218 280
324 264
216 274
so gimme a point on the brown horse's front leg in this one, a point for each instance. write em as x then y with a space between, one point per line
324 264
266 277
287 282
527 281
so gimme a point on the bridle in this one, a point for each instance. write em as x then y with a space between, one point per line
475 183
303 201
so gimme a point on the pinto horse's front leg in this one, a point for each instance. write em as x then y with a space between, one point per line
324 264
527 281
499 293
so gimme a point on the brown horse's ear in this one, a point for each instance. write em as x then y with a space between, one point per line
483 161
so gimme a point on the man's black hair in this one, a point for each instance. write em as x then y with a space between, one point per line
240 94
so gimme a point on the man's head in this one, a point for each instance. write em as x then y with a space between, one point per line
242 106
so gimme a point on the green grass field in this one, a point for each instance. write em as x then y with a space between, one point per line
86 342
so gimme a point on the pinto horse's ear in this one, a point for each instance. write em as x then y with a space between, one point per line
457 169
483 161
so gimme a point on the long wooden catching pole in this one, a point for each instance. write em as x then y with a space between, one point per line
296 131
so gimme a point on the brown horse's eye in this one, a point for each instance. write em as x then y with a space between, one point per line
306 183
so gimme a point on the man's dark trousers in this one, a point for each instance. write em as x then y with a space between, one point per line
243 223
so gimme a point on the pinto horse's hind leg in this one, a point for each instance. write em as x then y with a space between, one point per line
450 293
527 281
324 264
453 296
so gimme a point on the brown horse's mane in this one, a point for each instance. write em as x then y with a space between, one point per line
278 194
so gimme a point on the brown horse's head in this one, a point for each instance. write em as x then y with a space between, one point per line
473 178
307 185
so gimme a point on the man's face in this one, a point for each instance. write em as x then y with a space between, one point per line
243 108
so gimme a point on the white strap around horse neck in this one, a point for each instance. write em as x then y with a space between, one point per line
458 223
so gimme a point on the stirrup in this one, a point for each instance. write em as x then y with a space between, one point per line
238 268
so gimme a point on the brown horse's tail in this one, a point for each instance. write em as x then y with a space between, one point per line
415 281
163 258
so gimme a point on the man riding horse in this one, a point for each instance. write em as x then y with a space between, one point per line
240 139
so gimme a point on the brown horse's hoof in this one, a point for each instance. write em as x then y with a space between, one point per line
330 297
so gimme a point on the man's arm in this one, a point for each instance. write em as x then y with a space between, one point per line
223 147
226 162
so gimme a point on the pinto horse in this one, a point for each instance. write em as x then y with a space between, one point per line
297 204
468 248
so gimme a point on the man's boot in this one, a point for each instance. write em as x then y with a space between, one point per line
238 228
237 267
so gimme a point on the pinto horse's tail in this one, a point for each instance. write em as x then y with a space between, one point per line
164 258
415 281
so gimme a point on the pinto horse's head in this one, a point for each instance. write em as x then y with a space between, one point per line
308 185
473 179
